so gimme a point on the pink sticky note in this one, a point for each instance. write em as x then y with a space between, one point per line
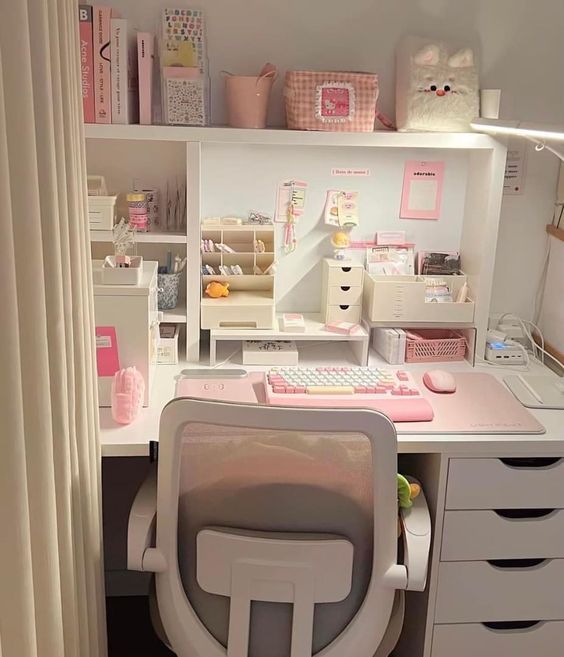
422 190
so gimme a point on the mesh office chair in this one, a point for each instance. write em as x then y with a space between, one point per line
276 532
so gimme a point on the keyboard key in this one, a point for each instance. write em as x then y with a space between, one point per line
330 390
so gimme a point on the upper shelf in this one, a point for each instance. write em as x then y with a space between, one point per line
284 137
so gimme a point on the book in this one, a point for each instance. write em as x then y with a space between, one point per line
123 49
107 359
145 57
102 63
86 62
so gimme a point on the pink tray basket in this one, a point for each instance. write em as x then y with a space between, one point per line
437 345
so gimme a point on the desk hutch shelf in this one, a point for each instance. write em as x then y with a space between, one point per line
227 171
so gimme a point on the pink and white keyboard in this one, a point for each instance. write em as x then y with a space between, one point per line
392 392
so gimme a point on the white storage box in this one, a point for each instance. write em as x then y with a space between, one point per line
132 311
167 351
402 299
267 352
101 212
241 309
112 275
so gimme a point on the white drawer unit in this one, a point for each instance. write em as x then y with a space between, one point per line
344 295
503 534
483 591
132 311
343 313
500 579
341 291
541 639
512 483
342 272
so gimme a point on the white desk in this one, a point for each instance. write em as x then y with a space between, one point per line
133 439
432 459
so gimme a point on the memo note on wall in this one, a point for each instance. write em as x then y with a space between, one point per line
422 190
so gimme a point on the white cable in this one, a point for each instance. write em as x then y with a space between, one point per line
539 294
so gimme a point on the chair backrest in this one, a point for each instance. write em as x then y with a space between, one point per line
256 502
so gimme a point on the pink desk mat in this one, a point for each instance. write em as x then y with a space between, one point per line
480 405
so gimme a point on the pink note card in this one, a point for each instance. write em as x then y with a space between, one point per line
422 190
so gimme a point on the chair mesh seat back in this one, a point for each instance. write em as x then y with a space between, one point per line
275 481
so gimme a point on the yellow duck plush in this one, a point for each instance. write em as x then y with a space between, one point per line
215 289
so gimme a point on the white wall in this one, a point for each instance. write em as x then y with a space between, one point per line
521 49
247 172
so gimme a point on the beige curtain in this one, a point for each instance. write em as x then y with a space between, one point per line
51 592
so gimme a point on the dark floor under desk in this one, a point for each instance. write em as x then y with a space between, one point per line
130 632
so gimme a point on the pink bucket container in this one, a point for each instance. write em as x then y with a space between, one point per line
247 97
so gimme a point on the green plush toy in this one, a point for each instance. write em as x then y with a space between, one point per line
407 492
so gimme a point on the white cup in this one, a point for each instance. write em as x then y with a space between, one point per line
489 103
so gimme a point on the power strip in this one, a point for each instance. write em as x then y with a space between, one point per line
505 353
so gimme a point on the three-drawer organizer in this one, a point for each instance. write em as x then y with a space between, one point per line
341 291
500 589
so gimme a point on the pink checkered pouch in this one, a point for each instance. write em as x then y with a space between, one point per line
335 101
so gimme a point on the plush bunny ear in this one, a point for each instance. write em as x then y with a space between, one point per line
427 56
462 59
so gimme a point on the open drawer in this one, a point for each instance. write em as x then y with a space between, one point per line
402 299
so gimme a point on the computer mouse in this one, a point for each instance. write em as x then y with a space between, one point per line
439 381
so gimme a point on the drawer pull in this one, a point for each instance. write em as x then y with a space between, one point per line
345 288
512 625
531 462
344 307
516 514
515 563
346 269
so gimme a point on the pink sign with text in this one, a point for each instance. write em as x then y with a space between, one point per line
422 190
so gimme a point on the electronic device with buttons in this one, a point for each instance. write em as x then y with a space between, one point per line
230 384
392 392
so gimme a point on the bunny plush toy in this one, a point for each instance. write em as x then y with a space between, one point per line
437 87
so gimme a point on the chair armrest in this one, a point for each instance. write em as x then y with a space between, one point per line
142 521
416 532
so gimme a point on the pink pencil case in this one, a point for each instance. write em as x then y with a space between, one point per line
128 388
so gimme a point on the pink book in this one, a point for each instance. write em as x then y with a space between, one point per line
86 63
107 359
102 63
145 56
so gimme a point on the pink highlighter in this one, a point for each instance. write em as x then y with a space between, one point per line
128 388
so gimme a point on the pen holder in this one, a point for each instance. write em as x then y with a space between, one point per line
167 297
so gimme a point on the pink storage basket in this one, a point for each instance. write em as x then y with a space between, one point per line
436 345
334 101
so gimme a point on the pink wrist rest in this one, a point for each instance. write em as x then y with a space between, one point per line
128 388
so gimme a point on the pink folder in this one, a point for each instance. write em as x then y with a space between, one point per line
107 359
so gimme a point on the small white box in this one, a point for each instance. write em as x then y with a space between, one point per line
270 352
292 323
101 212
112 275
167 350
